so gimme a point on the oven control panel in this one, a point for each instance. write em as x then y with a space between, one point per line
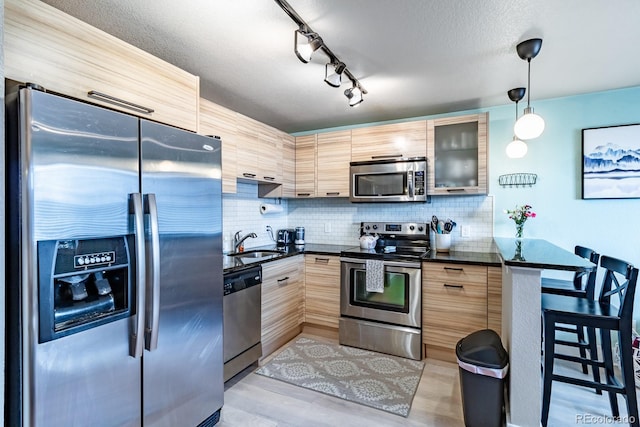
396 228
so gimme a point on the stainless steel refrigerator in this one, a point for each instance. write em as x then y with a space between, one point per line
114 289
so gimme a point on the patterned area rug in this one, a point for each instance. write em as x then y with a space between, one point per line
372 379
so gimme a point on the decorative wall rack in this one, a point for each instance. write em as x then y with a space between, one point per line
517 179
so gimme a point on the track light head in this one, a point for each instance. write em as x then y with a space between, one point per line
354 95
333 73
305 44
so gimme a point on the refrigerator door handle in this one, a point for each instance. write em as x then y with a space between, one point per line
153 285
137 332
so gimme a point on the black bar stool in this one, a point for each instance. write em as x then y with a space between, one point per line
582 286
620 280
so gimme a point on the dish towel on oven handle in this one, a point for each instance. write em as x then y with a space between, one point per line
375 276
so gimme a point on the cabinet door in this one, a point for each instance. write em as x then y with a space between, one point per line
220 121
248 142
408 139
282 304
44 45
288 165
457 153
322 290
332 163
269 155
306 166
454 304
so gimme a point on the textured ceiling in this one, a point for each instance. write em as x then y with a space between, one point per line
414 57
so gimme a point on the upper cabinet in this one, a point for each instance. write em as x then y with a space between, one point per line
288 165
248 142
306 166
220 121
333 154
408 139
457 153
43 45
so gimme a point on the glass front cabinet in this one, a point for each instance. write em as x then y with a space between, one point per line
457 153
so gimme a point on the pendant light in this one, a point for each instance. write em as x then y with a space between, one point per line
530 125
516 148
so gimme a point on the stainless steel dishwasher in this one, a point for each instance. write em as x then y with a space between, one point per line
242 312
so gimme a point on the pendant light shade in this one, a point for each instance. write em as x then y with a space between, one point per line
517 149
530 125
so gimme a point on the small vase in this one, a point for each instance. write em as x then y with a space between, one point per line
519 230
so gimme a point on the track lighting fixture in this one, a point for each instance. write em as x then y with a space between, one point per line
333 73
530 125
307 41
516 148
354 95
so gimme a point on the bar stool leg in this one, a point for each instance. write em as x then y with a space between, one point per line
626 359
583 352
607 355
549 345
593 354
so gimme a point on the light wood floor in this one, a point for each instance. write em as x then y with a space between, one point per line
257 401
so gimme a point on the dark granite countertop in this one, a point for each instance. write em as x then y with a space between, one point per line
538 253
231 264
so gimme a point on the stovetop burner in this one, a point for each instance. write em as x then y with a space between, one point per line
409 240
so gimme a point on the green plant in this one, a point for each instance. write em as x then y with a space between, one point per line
520 215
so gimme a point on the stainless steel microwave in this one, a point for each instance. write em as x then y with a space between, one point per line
389 180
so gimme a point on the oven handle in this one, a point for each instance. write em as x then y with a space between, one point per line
386 263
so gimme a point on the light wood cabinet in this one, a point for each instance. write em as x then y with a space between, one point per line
333 155
248 142
288 165
457 153
407 139
269 155
44 45
306 166
282 302
455 303
220 121
322 290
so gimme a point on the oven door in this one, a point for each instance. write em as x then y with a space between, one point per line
399 304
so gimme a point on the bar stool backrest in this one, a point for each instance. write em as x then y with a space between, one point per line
578 278
619 280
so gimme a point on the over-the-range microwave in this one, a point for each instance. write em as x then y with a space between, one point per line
389 180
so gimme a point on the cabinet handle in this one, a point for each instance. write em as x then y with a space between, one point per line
454 268
249 175
117 101
303 194
269 178
390 156
322 260
284 279
456 190
447 285
333 193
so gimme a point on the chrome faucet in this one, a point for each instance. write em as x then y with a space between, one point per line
237 241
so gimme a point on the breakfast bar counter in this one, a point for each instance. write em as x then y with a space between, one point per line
522 263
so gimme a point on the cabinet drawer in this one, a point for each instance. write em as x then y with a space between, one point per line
454 273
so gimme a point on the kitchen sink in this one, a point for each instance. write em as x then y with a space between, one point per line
255 254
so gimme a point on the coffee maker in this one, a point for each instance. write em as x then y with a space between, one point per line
299 236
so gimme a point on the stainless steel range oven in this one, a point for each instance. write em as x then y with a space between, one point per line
388 317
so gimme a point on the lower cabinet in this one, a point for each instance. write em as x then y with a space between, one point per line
282 302
457 300
322 290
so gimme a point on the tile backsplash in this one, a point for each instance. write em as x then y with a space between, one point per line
337 221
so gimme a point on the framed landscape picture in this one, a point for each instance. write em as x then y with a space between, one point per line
611 162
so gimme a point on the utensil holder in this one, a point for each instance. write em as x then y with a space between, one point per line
443 242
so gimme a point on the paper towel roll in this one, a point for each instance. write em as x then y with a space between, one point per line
268 208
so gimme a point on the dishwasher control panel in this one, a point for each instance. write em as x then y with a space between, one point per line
239 280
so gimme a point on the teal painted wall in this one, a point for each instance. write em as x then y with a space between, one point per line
610 226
